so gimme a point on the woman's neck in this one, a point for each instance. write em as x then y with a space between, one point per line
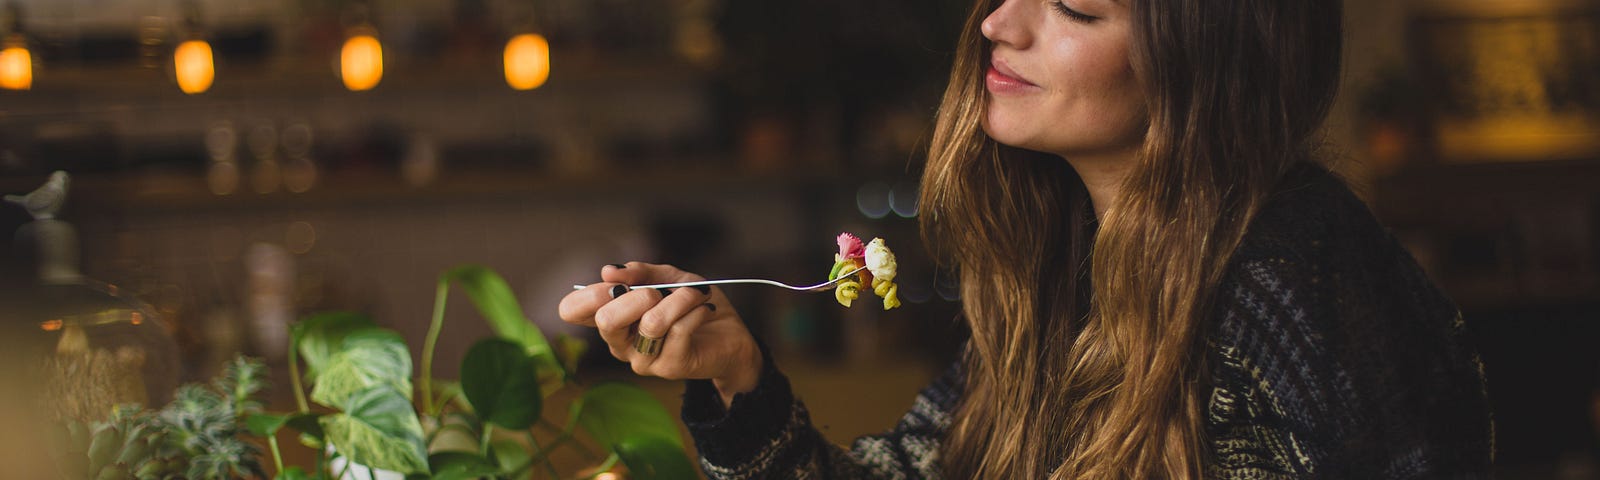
1102 177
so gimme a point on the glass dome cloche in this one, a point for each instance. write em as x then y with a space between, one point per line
81 346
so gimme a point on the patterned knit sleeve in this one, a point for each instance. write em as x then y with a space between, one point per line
767 434
1348 368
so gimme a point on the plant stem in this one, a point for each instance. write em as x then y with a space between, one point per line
277 457
294 377
441 293
488 432
543 455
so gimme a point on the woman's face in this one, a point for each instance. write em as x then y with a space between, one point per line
1059 78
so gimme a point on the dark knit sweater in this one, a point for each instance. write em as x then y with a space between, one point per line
1330 355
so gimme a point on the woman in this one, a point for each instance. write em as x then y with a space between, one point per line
1159 280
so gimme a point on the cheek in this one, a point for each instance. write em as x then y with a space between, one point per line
1112 95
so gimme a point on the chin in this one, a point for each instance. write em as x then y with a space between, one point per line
1005 136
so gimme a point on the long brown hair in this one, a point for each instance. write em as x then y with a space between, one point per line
1085 356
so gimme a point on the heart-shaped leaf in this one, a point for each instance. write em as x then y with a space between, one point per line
460 466
612 412
649 458
320 336
379 429
498 305
502 383
367 357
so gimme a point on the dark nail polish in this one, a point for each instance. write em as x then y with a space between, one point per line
704 289
618 290
619 266
711 306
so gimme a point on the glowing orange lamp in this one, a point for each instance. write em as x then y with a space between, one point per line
193 65
527 61
16 64
361 60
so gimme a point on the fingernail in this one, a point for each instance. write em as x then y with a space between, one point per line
704 289
618 266
711 306
618 290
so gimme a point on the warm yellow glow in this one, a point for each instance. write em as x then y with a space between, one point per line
192 62
607 476
16 68
527 61
361 62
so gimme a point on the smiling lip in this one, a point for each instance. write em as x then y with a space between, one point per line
1001 79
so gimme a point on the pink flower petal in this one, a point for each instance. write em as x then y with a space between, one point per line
850 246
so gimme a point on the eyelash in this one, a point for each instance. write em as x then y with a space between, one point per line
1074 15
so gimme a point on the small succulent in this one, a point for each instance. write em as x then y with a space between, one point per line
198 435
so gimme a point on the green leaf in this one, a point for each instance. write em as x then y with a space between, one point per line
379 429
292 473
367 357
650 457
572 350
265 425
510 455
305 423
460 466
502 383
321 335
490 293
611 412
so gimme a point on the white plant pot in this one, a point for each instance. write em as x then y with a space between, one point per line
358 471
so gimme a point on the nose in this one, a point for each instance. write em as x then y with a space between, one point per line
1005 26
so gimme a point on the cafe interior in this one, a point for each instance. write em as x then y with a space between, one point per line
236 172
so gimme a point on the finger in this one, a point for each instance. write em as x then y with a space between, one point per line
677 359
655 322
640 273
615 319
578 307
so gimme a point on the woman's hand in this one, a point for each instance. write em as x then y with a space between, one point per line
704 337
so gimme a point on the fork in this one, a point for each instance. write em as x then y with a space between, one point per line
821 287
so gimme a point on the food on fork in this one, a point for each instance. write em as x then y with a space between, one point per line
880 272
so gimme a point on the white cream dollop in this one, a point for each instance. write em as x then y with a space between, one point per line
880 261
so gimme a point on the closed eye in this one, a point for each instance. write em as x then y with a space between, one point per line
1074 15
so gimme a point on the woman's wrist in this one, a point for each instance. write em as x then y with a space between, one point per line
742 378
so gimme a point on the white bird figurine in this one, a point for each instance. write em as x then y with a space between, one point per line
45 202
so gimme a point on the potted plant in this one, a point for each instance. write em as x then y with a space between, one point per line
370 419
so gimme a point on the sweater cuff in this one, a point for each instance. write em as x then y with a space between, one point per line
736 435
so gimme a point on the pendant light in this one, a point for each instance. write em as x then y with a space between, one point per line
527 61
361 58
16 62
192 62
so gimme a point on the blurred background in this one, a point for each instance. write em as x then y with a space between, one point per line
240 164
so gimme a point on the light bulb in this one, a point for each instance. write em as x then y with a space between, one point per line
16 67
527 61
361 62
193 65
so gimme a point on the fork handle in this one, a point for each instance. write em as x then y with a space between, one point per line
660 286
